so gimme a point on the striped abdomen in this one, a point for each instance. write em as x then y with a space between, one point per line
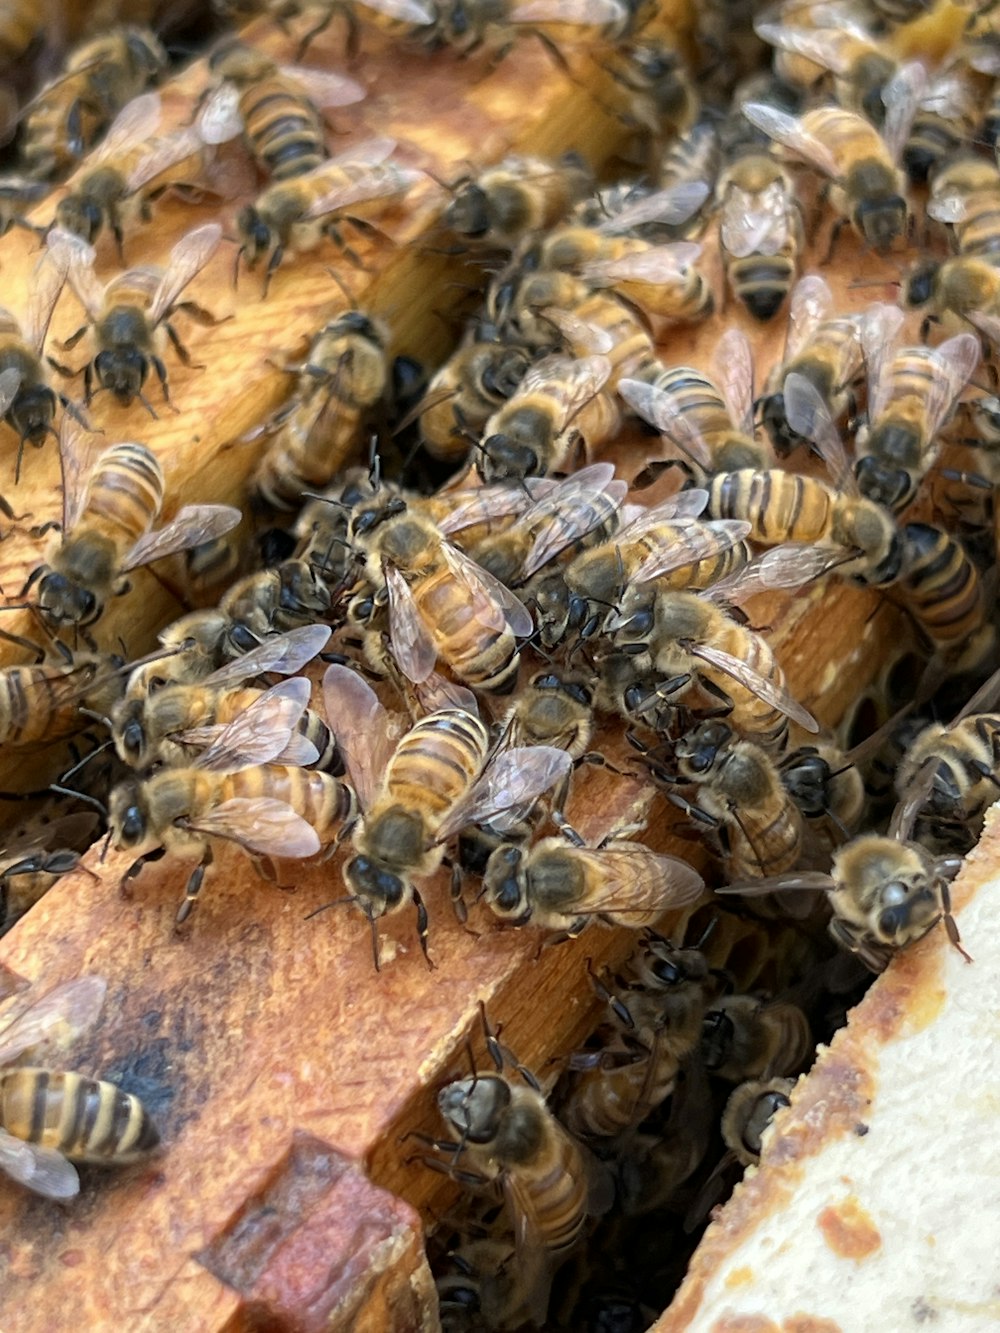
752 716
125 495
779 506
551 1183
87 1120
941 587
849 137
284 131
436 763
475 641
40 704
606 1102
322 801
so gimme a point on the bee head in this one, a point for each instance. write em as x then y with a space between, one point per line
123 371
906 910
81 215
504 458
469 212
62 600
886 485
130 734
256 235
127 816
473 1106
775 422
31 413
880 218
919 285
503 885
381 890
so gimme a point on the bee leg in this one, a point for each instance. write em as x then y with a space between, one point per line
618 1007
567 829
183 355
950 924
135 869
322 26
69 343
422 924
277 254
835 231
119 235
195 881
202 316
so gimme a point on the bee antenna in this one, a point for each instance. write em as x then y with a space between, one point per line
82 763
97 717
104 849
337 902
80 796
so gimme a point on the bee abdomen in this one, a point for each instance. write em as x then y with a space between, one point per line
437 761
126 489
87 1120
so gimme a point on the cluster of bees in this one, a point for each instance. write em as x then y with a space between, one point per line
631 612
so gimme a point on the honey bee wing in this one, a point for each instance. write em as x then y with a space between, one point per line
570 513
701 540
40 1169
809 416
987 324
670 206
363 728
816 44
77 451
283 654
811 303
260 733
792 564
412 643
188 257
490 593
534 1269
789 132
10 382
581 337
437 692
754 223
661 411
681 508
220 119
957 359
480 504
948 207
47 282
628 888
134 125
163 153
193 525
583 12
261 824
299 752
515 777
371 153
659 265
78 257
814 881
325 87
406 11
752 680
880 324
379 181
55 1020
914 798
733 363
901 97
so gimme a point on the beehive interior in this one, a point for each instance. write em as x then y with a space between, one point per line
198 1022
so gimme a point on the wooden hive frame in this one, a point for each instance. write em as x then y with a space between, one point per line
277 1062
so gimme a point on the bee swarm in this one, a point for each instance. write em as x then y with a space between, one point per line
290 1081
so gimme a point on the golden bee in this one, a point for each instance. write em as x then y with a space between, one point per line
27 399
129 319
109 507
562 884
127 171
868 188
743 1038
51 1119
657 1006
741 798
276 108
417 790
322 428
440 603
824 349
293 216
748 1114
247 787
559 409
760 231
516 198
100 77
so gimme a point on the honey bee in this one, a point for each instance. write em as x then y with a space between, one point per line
505 1133
440 603
27 400
50 1119
688 637
127 171
558 409
41 703
666 545
277 108
661 101
472 384
741 798
109 510
467 25
826 786
826 351
886 891
168 725
293 216
272 601
867 187
393 16
480 1287
965 195
34 857
418 790
743 1038
711 426
322 427
100 77
748 1114
657 1007
247 787
553 709
515 198
562 884
661 280
911 394
760 231
964 288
